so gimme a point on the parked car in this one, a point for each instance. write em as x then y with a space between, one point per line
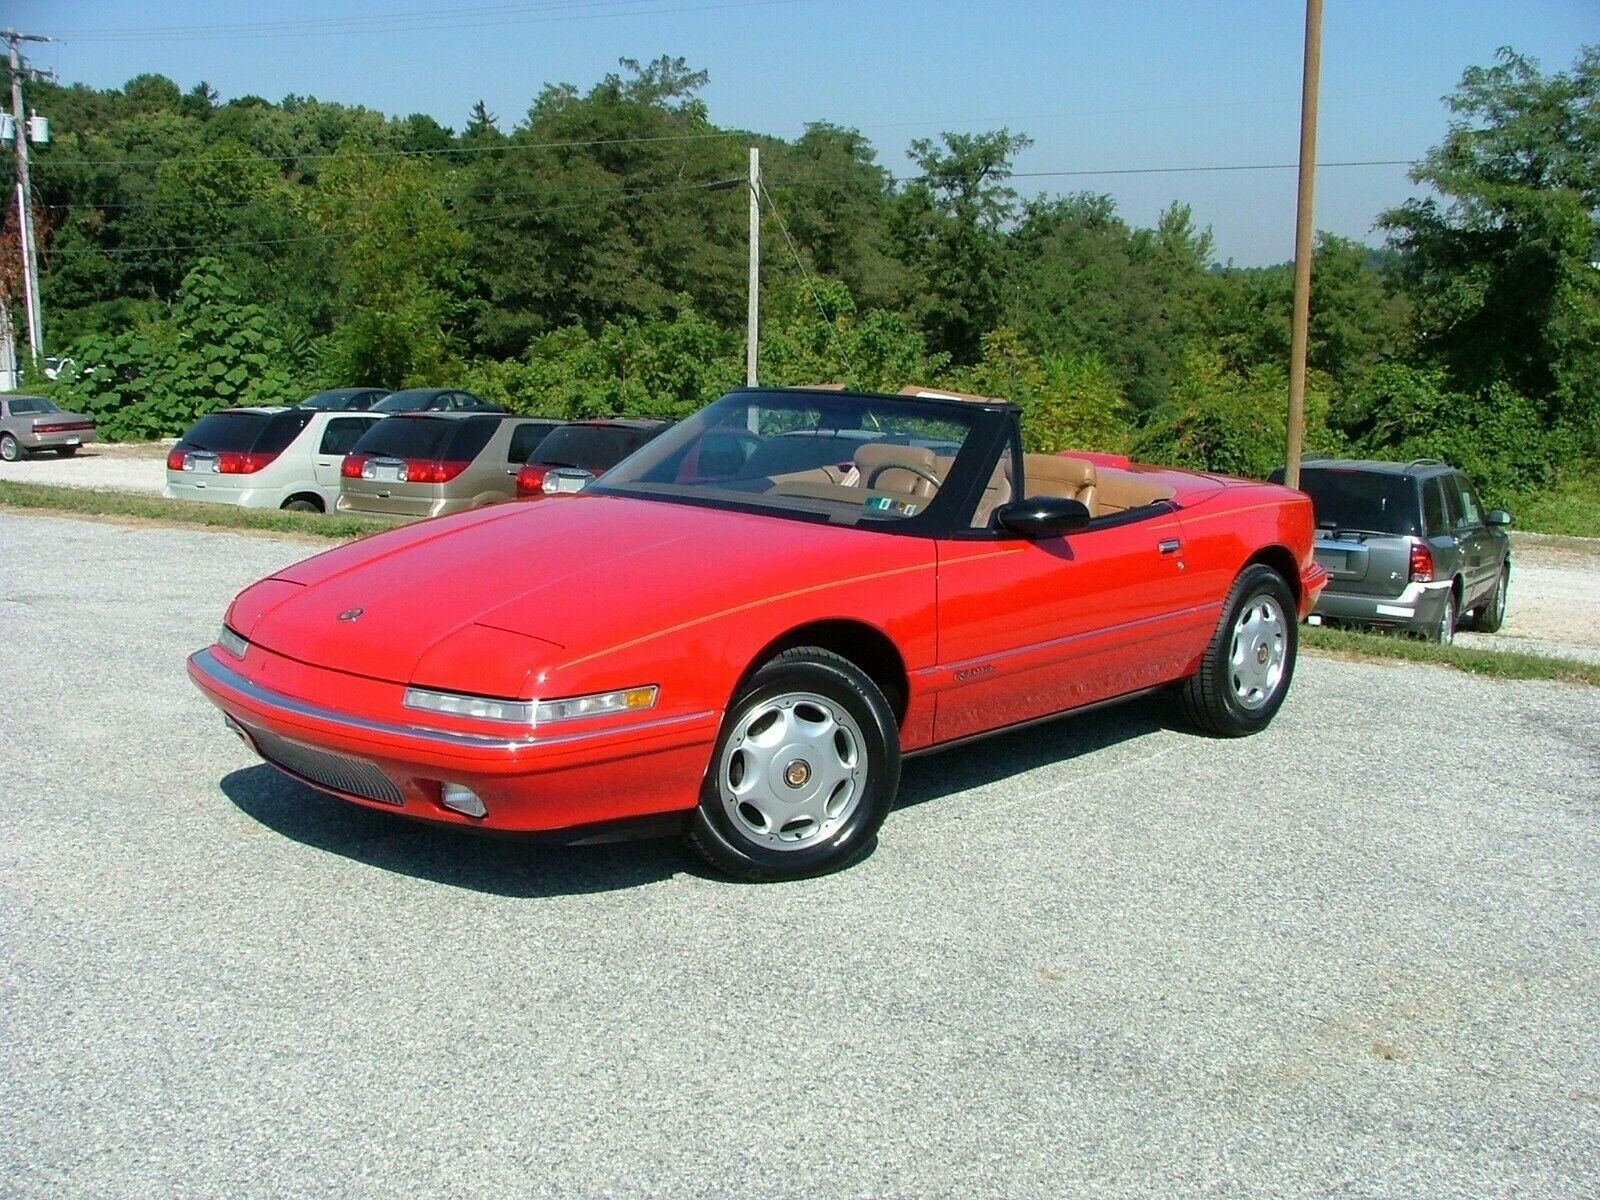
344 399
754 652
1407 546
29 423
265 457
426 464
572 456
434 400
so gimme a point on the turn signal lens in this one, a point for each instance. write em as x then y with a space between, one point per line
598 704
1421 563
232 642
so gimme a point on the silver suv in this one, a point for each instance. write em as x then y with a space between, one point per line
1406 546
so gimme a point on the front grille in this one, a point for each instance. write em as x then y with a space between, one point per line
341 772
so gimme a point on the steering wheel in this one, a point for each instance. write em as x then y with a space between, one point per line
916 469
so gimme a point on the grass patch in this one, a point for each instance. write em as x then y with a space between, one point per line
84 502
1571 507
1498 664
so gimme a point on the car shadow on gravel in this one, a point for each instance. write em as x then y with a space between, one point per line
501 864
991 759
532 867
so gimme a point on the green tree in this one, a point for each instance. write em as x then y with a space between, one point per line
948 226
1501 259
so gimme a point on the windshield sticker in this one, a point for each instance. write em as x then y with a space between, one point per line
889 504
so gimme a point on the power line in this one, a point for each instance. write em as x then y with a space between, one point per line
805 275
413 22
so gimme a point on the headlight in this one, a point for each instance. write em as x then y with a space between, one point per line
232 642
485 709
531 712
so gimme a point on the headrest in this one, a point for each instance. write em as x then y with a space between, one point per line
875 454
1076 472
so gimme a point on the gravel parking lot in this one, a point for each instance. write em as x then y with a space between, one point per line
1356 955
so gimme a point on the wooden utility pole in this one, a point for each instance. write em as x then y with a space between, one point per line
752 334
25 239
1300 328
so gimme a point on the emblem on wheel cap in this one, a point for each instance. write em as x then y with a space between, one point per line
797 773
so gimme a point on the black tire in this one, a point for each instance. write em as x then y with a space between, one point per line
11 450
66 451
831 739
1233 698
1493 613
298 505
1443 632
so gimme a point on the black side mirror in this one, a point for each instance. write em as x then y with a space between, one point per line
1042 517
1497 516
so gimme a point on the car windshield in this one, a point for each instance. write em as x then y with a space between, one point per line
592 447
1366 501
32 404
416 400
407 437
832 456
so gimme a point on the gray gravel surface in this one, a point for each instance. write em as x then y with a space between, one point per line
1358 955
120 469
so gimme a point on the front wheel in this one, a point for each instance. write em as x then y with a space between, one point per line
1493 613
66 451
805 770
1246 668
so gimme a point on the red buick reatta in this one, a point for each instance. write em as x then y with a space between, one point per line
754 617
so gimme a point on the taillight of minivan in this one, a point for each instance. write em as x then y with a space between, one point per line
434 471
1421 563
530 481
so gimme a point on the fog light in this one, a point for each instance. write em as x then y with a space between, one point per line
462 800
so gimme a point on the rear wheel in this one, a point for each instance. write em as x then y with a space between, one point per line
10 449
299 505
1443 632
804 771
1245 671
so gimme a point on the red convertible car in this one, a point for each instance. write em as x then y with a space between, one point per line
753 618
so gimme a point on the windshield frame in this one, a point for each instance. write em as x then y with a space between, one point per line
948 512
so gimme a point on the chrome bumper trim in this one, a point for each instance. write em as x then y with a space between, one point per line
206 663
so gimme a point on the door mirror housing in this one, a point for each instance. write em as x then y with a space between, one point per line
1042 516
1497 516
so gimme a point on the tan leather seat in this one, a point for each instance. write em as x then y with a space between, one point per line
1064 478
888 468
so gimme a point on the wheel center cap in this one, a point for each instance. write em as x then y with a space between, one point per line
797 773
1262 654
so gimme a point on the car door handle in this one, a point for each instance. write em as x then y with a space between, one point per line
1167 546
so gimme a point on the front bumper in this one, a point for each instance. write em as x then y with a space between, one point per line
1417 607
527 780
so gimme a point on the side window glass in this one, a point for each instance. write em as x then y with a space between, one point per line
1452 502
525 440
342 433
1001 488
1433 518
1471 515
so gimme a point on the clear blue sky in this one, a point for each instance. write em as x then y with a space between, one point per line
1098 86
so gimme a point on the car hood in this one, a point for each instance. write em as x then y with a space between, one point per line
491 595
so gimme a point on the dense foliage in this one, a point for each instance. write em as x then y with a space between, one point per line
591 259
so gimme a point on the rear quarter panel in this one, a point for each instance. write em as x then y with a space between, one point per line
1225 530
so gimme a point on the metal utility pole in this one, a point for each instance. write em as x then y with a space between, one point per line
752 335
1300 327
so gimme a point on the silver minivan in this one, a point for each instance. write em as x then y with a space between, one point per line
265 457
427 464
